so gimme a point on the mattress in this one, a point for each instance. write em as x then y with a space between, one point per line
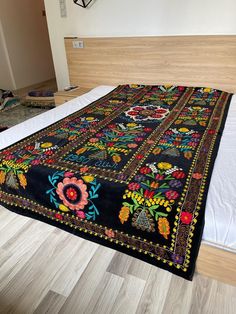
220 215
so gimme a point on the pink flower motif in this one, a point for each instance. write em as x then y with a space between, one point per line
110 233
35 162
9 157
99 134
150 142
73 193
93 140
132 145
68 174
138 139
80 214
171 195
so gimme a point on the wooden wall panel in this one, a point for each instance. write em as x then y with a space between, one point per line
183 60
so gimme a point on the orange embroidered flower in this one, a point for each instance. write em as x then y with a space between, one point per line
116 158
23 181
164 227
197 175
2 177
81 151
124 214
84 169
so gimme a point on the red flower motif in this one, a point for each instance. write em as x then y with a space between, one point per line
111 126
178 174
139 156
58 216
138 108
134 186
150 142
197 175
50 161
145 170
30 147
186 217
121 134
99 134
147 129
133 113
171 194
148 194
48 152
71 194
156 115
20 160
211 131
110 144
159 177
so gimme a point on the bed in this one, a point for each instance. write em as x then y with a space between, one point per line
220 233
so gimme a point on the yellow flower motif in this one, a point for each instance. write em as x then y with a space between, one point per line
63 208
46 145
164 165
183 130
207 90
88 178
90 118
132 124
197 108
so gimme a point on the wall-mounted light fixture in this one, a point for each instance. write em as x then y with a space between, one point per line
82 3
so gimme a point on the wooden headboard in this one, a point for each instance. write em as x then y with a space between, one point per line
182 60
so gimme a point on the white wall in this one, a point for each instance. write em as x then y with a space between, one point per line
27 43
136 18
6 77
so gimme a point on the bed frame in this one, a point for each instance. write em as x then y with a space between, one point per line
208 61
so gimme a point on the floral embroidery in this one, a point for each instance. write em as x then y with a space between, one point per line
145 113
75 194
152 197
120 171
194 115
186 217
177 141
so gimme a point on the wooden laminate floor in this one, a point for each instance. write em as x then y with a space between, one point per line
46 270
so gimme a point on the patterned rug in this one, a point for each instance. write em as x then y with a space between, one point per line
19 114
131 171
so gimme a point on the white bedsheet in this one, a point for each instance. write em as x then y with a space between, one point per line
220 217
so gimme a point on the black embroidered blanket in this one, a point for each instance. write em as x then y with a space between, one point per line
130 171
